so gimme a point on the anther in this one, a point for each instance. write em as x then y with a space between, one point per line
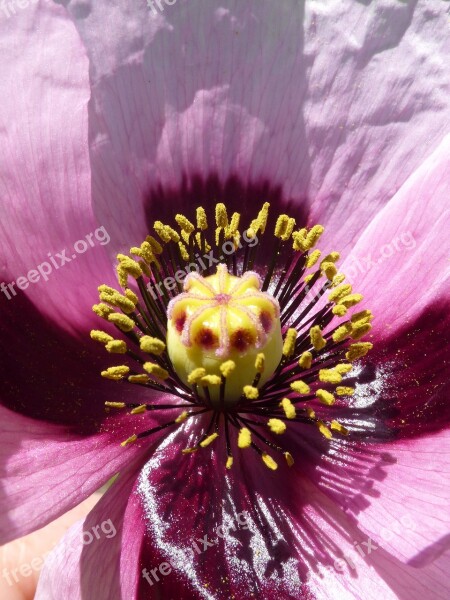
244 438
305 360
289 408
116 373
300 387
325 397
152 345
317 339
276 426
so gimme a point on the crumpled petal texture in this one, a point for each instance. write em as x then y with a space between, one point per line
249 89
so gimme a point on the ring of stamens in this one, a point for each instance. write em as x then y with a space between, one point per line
322 337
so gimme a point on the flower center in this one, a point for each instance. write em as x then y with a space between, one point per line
223 317
248 342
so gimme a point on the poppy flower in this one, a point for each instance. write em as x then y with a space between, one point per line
271 438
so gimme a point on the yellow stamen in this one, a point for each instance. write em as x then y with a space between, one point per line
189 450
229 462
130 440
313 258
227 367
185 224
359 350
210 380
317 340
131 296
339 310
119 301
324 430
304 240
269 462
276 426
123 322
116 373
196 375
152 345
332 257
259 224
362 317
154 244
139 410
142 378
260 362
336 426
206 442
161 231
305 360
328 269
101 336
244 438
221 215
116 347
284 227
181 418
250 392
343 368
174 235
325 397
350 300
155 370
122 277
338 279
342 332
340 292
218 234
360 331
201 242
102 310
202 221
106 289
130 266
310 413
145 268
146 253
115 404
232 229
183 251
289 342
289 408
250 233
308 278
289 459
330 376
300 387
343 390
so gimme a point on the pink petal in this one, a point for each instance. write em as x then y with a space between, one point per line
409 515
85 564
46 469
45 171
339 114
400 263
363 569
